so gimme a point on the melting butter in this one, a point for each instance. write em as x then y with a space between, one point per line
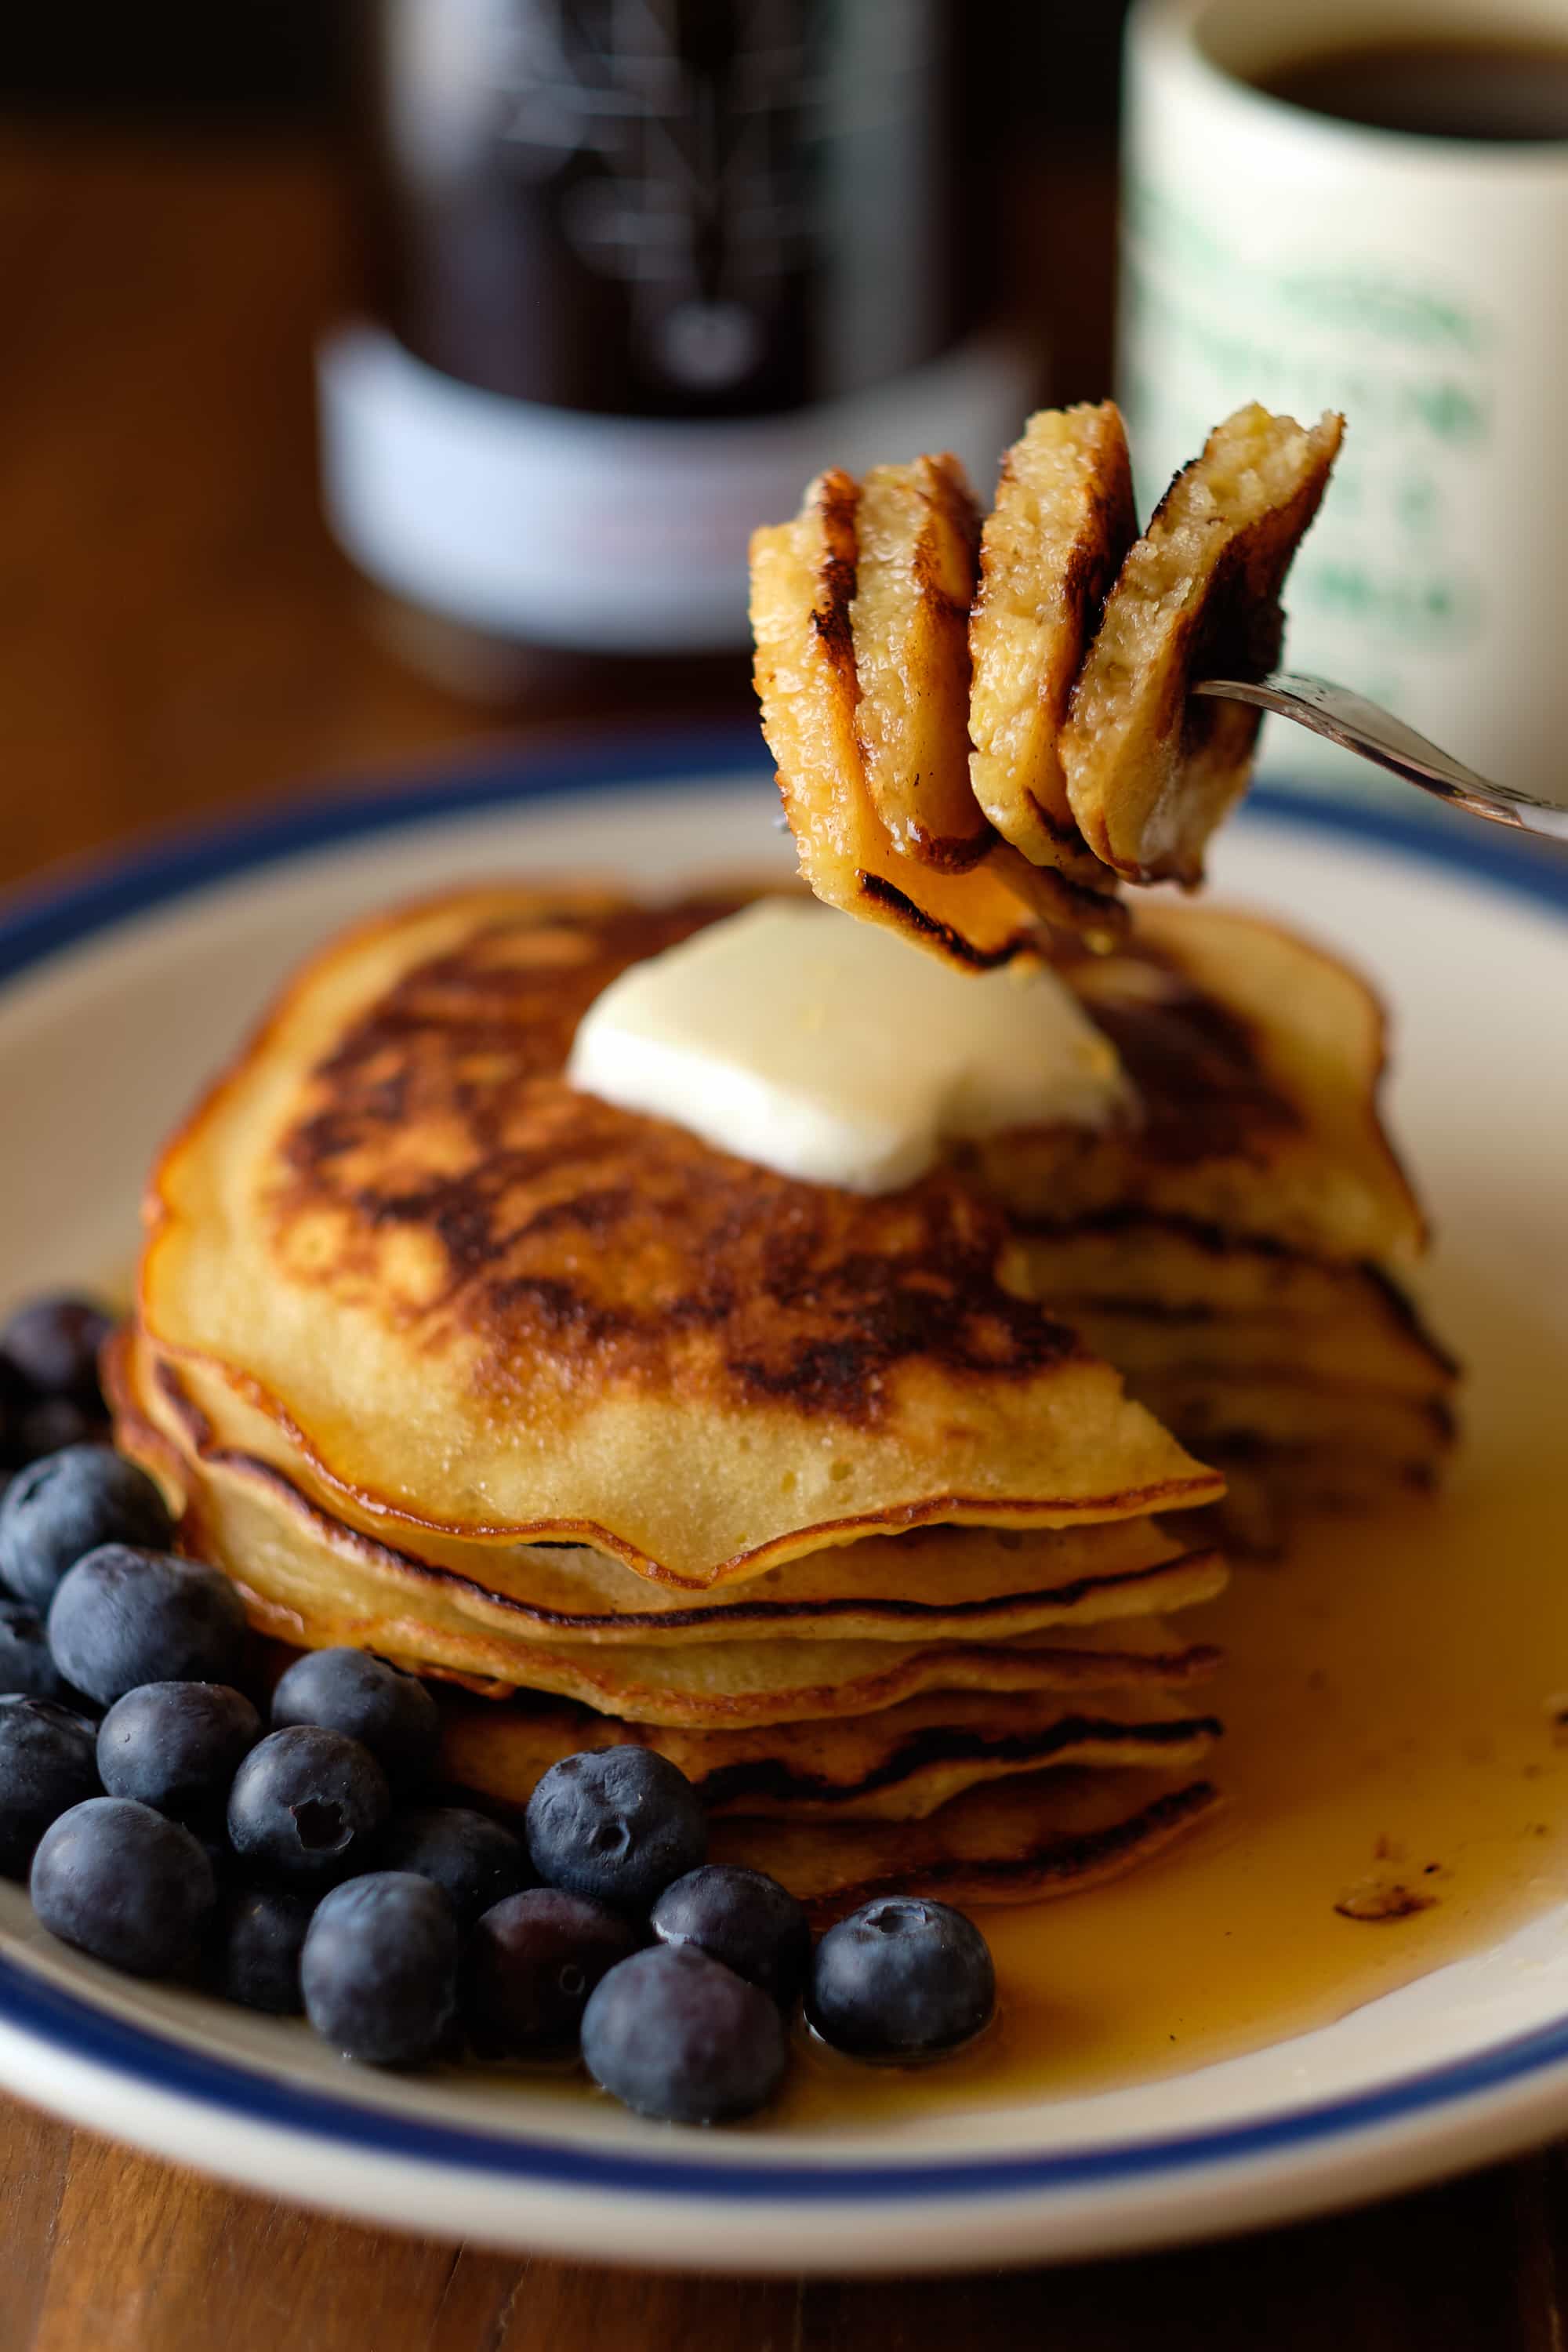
831 1050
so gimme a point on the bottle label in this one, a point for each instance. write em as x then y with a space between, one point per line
606 533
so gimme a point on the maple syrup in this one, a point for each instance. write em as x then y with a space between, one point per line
1397 1776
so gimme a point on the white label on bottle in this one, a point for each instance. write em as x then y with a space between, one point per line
607 533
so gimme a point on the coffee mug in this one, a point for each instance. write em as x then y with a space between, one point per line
1418 283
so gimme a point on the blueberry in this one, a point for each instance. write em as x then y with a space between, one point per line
259 1938
54 1423
680 2037
51 1346
309 1804
743 1917
211 1835
901 1979
386 1710
473 1860
67 1505
125 1883
176 1745
616 1825
379 1968
532 1962
123 1617
25 1664
47 1765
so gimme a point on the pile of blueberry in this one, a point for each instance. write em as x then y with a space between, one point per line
297 1865
49 1395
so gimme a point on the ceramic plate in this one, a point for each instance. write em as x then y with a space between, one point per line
128 985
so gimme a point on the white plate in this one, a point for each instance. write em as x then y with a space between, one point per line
132 981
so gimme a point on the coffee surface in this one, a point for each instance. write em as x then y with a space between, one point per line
1481 89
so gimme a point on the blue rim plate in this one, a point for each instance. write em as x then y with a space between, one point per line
65 2042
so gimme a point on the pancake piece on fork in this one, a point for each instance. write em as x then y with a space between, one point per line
994 905
917 530
1050 550
1152 770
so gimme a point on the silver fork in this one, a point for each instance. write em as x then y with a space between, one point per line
1362 726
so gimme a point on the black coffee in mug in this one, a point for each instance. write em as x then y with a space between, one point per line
1504 91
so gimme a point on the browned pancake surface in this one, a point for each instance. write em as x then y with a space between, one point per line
468 1296
439 1163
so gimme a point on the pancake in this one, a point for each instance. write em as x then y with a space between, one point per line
917 536
1271 1487
1018 1840
932 1582
1244 1387
313 1584
1126 1263
320 1594
476 1303
928 774
1366 1347
867 1511
1309 1384
803 597
314 1601
1237 1416
899 1765
1050 550
311 1581
1151 770
1258 1060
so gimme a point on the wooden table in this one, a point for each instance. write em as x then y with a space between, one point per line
176 634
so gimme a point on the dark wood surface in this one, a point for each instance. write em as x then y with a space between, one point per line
177 634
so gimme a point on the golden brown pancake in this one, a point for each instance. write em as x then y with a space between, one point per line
1127 1262
312 1583
320 1594
955 1583
1237 1414
1047 1833
836 1500
476 1302
917 533
1270 1487
1355 1336
1050 550
1152 770
1308 1382
926 775
803 579
1242 1213
899 1765
1257 1061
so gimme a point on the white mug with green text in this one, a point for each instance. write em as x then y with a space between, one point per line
1418 283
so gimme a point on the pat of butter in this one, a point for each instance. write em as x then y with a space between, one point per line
831 1050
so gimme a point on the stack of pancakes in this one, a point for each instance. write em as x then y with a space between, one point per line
842 1503
1237 1252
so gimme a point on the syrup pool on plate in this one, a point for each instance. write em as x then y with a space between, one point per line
1390 1696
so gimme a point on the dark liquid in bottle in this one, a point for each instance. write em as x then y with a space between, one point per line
1501 91
697 208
